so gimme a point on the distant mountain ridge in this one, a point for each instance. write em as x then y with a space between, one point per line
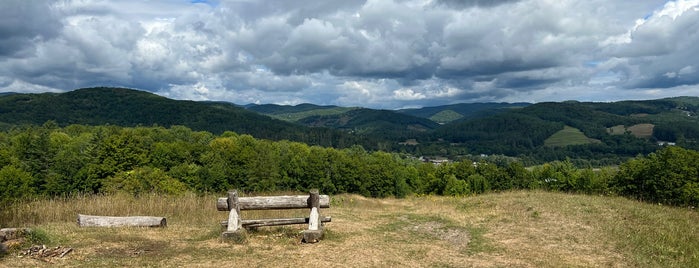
297 112
594 131
463 110
459 111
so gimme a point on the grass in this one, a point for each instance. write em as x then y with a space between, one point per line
294 117
568 136
511 229
617 130
642 130
446 116
639 130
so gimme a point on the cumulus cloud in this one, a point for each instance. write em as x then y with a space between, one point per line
658 52
23 23
374 53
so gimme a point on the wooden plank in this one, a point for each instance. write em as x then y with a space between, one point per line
314 202
234 216
132 221
275 222
313 223
273 202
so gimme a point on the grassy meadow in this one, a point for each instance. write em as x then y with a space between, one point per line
510 229
568 136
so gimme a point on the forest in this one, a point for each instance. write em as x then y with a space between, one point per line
54 161
516 130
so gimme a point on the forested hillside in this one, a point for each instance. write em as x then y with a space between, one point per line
587 133
384 124
297 112
127 107
453 112
523 132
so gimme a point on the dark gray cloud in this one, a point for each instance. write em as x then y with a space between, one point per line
376 53
23 23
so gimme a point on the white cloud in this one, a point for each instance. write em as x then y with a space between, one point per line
408 94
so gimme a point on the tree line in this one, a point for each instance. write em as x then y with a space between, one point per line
51 161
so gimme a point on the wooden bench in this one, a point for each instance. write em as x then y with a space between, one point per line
235 225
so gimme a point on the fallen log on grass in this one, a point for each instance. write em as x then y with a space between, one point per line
13 233
131 221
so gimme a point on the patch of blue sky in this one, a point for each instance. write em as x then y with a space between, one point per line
592 63
212 3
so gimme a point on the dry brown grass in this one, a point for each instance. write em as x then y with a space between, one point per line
515 229
639 130
642 130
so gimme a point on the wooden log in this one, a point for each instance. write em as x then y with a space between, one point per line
272 202
312 236
275 222
132 221
13 233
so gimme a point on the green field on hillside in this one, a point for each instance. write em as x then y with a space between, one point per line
568 136
293 117
446 116
638 130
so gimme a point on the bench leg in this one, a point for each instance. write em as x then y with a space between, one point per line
234 232
315 230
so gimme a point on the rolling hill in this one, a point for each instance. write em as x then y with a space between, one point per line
297 112
601 132
128 107
381 123
453 112
384 124
604 132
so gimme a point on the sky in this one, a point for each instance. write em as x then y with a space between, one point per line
382 54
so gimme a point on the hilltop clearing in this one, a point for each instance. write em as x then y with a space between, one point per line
512 229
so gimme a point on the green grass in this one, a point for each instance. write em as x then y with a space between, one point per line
511 229
568 136
446 116
617 130
639 130
294 117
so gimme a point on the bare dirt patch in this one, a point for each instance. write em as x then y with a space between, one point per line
456 237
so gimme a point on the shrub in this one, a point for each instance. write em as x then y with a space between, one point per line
15 183
668 176
144 180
